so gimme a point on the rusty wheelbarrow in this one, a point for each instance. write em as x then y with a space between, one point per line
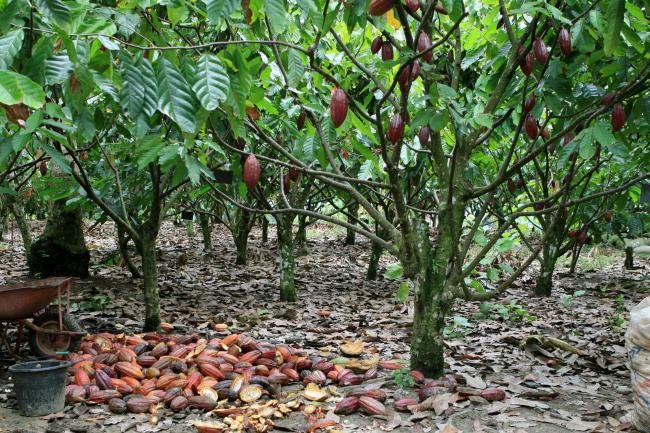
51 330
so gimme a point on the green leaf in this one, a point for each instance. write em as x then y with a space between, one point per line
403 292
175 97
615 11
9 46
150 86
446 91
394 270
212 82
57 10
218 9
149 149
603 134
57 157
193 169
7 14
277 14
16 88
296 70
132 94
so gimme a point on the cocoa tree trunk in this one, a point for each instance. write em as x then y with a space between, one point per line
574 259
265 229
123 245
4 217
206 231
300 241
19 216
243 223
373 264
544 283
284 226
189 226
350 236
61 249
150 276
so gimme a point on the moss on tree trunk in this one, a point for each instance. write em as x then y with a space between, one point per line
373 264
287 261
61 249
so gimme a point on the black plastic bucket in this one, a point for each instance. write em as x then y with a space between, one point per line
40 386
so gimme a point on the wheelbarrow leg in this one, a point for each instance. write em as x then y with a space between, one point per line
19 337
3 337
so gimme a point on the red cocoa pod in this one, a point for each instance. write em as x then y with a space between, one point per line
380 7
396 128
347 406
201 402
146 360
526 64
102 396
277 377
163 381
413 5
538 206
389 365
126 355
387 51
511 185
607 216
286 184
294 174
520 183
303 364
163 363
139 404
530 125
251 172
572 233
568 138
376 44
338 106
131 381
324 366
300 122
564 38
424 43
371 406
415 70
211 370
402 405
440 9
106 358
350 379
608 98
81 378
530 103
178 403
539 48
582 236
129 369
404 78
117 405
75 393
370 374
43 168
103 380
423 136
160 350
181 382
493 394
316 376
172 393
618 117
377 394
546 134
417 376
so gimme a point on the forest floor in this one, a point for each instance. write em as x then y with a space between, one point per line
548 389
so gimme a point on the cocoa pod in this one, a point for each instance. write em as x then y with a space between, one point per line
338 106
106 358
607 216
572 233
139 404
81 378
520 185
43 168
417 376
404 78
541 53
380 7
193 379
582 236
387 51
618 117
146 360
201 402
102 396
440 9
424 43
350 379
75 393
389 365
371 406
568 138
377 394
530 103
250 393
376 45
286 184
511 185
396 128
176 383
526 64
423 136
413 5
493 394
103 380
163 381
129 369
211 370
160 350
564 38
415 70
324 366
347 406
172 393
402 405
117 405
251 172
277 377
300 122
546 134
538 206
126 355
17 113
531 126
608 98
179 403
370 374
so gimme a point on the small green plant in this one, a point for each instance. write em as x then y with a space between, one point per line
567 300
403 379
513 312
457 328
619 319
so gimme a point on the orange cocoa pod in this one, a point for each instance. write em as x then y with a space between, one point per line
139 404
193 379
212 371
131 381
251 356
181 382
129 369
230 339
164 380
371 406
81 378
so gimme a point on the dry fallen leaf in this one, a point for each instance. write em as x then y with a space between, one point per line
353 348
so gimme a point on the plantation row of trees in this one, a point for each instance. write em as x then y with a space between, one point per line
447 133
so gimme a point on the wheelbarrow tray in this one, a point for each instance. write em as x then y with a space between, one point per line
23 300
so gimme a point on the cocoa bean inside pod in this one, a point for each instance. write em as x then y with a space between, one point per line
250 393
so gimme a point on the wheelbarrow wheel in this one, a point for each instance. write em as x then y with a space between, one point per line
47 345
